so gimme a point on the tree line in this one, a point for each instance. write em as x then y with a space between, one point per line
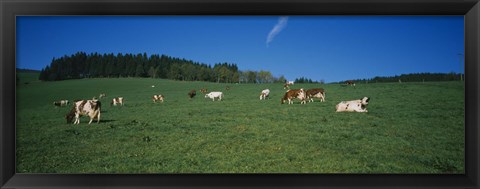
94 65
413 77
307 80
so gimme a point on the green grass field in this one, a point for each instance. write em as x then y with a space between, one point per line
410 128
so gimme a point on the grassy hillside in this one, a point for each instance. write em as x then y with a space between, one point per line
25 77
410 128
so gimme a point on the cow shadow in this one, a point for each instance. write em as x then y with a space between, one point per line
106 121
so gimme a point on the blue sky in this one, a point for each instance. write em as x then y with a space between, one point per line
328 48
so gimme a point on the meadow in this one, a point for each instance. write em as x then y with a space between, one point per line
410 128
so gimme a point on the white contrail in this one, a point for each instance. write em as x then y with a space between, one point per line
282 23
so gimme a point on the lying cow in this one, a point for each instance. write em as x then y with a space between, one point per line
315 93
192 93
294 93
117 100
214 95
156 98
264 94
353 105
84 107
60 103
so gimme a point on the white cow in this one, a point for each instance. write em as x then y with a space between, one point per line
214 95
84 107
353 105
118 100
264 94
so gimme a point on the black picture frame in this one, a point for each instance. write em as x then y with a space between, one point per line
11 8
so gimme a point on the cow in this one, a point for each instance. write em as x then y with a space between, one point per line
315 93
294 93
286 86
290 82
214 95
264 94
192 93
350 82
353 105
117 100
203 91
91 108
61 103
156 98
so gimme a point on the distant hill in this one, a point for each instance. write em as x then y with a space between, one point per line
413 77
23 70
26 76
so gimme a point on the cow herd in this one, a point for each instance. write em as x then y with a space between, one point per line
92 108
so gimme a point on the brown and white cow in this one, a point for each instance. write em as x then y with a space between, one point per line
350 82
286 86
117 100
156 98
192 93
60 103
353 105
91 108
203 90
315 93
294 93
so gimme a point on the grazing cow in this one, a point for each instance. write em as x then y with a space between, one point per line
117 100
290 82
264 94
286 86
156 98
315 93
350 82
192 93
84 107
102 95
214 95
294 93
203 91
353 105
61 103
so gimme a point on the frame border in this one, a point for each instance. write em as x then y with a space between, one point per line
11 8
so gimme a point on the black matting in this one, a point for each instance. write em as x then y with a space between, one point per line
10 8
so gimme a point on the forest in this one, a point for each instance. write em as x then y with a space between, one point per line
94 65
412 77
